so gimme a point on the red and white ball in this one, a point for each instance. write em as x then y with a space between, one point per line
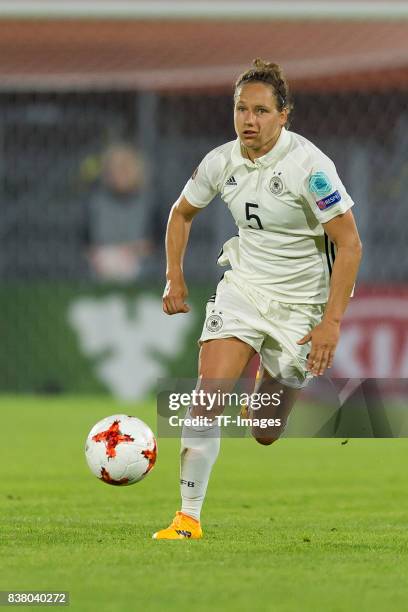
121 450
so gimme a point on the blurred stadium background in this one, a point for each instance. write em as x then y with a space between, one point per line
78 77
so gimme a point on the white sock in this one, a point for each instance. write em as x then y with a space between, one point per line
199 450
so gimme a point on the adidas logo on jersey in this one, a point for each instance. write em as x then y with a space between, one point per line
231 181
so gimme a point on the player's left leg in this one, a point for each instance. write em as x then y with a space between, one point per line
272 401
283 370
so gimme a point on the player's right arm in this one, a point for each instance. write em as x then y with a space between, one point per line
178 230
199 191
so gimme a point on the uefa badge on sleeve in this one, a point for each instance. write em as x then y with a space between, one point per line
320 184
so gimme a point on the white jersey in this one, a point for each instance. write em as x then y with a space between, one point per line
279 203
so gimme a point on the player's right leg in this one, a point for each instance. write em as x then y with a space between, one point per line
221 364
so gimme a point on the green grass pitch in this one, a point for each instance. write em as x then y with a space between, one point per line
302 525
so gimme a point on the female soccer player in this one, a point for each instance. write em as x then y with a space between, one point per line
293 268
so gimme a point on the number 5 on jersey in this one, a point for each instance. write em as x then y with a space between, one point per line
250 215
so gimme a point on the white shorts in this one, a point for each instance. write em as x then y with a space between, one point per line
272 328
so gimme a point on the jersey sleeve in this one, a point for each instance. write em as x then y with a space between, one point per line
324 191
202 187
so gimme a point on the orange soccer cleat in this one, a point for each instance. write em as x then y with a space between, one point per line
183 527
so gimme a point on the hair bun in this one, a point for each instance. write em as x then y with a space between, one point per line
260 64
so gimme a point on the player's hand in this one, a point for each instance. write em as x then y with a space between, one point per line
174 296
324 338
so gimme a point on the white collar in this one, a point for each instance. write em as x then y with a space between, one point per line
277 151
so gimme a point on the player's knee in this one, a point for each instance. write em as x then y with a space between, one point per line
266 441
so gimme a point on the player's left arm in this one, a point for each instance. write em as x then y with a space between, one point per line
324 337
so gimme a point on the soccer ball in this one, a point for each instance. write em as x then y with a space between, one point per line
120 450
